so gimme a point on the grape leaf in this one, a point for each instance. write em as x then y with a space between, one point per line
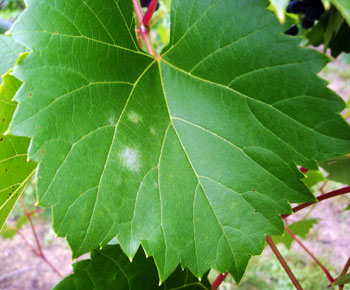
109 268
338 169
15 170
10 51
332 31
192 154
299 228
335 21
343 7
9 232
312 177
345 279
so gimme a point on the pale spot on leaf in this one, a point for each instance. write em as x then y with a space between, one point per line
134 117
152 130
130 159
112 120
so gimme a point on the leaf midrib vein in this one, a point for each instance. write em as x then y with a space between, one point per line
189 160
229 142
83 37
99 20
119 267
230 44
245 96
110 150
69 93
280 65
12 157
13 195
193 25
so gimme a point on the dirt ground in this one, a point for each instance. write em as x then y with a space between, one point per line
21 269
329 240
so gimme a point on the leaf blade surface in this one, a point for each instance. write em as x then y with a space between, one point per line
193 155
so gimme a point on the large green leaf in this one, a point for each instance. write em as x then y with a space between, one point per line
192 154
15 169
109 268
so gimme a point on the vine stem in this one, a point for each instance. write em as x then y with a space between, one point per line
40 251
144 30
218 281
283 263
324 269
323 186
149 13
343 272
35 251
328 195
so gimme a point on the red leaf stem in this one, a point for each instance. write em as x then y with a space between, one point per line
324 269
149 13
218 281
142 28
37 241
35 251
328 195
138 10
283 263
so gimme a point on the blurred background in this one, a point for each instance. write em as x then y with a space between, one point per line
325 227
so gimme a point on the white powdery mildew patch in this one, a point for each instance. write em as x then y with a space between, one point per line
134 117
130 159
112 120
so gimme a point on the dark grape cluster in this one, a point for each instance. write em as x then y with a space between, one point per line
145 3
311 10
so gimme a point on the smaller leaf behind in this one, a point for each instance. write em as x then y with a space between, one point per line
15 171
342 280
343 7
110 268
300 228
10 50
338 169
8 232
312 177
